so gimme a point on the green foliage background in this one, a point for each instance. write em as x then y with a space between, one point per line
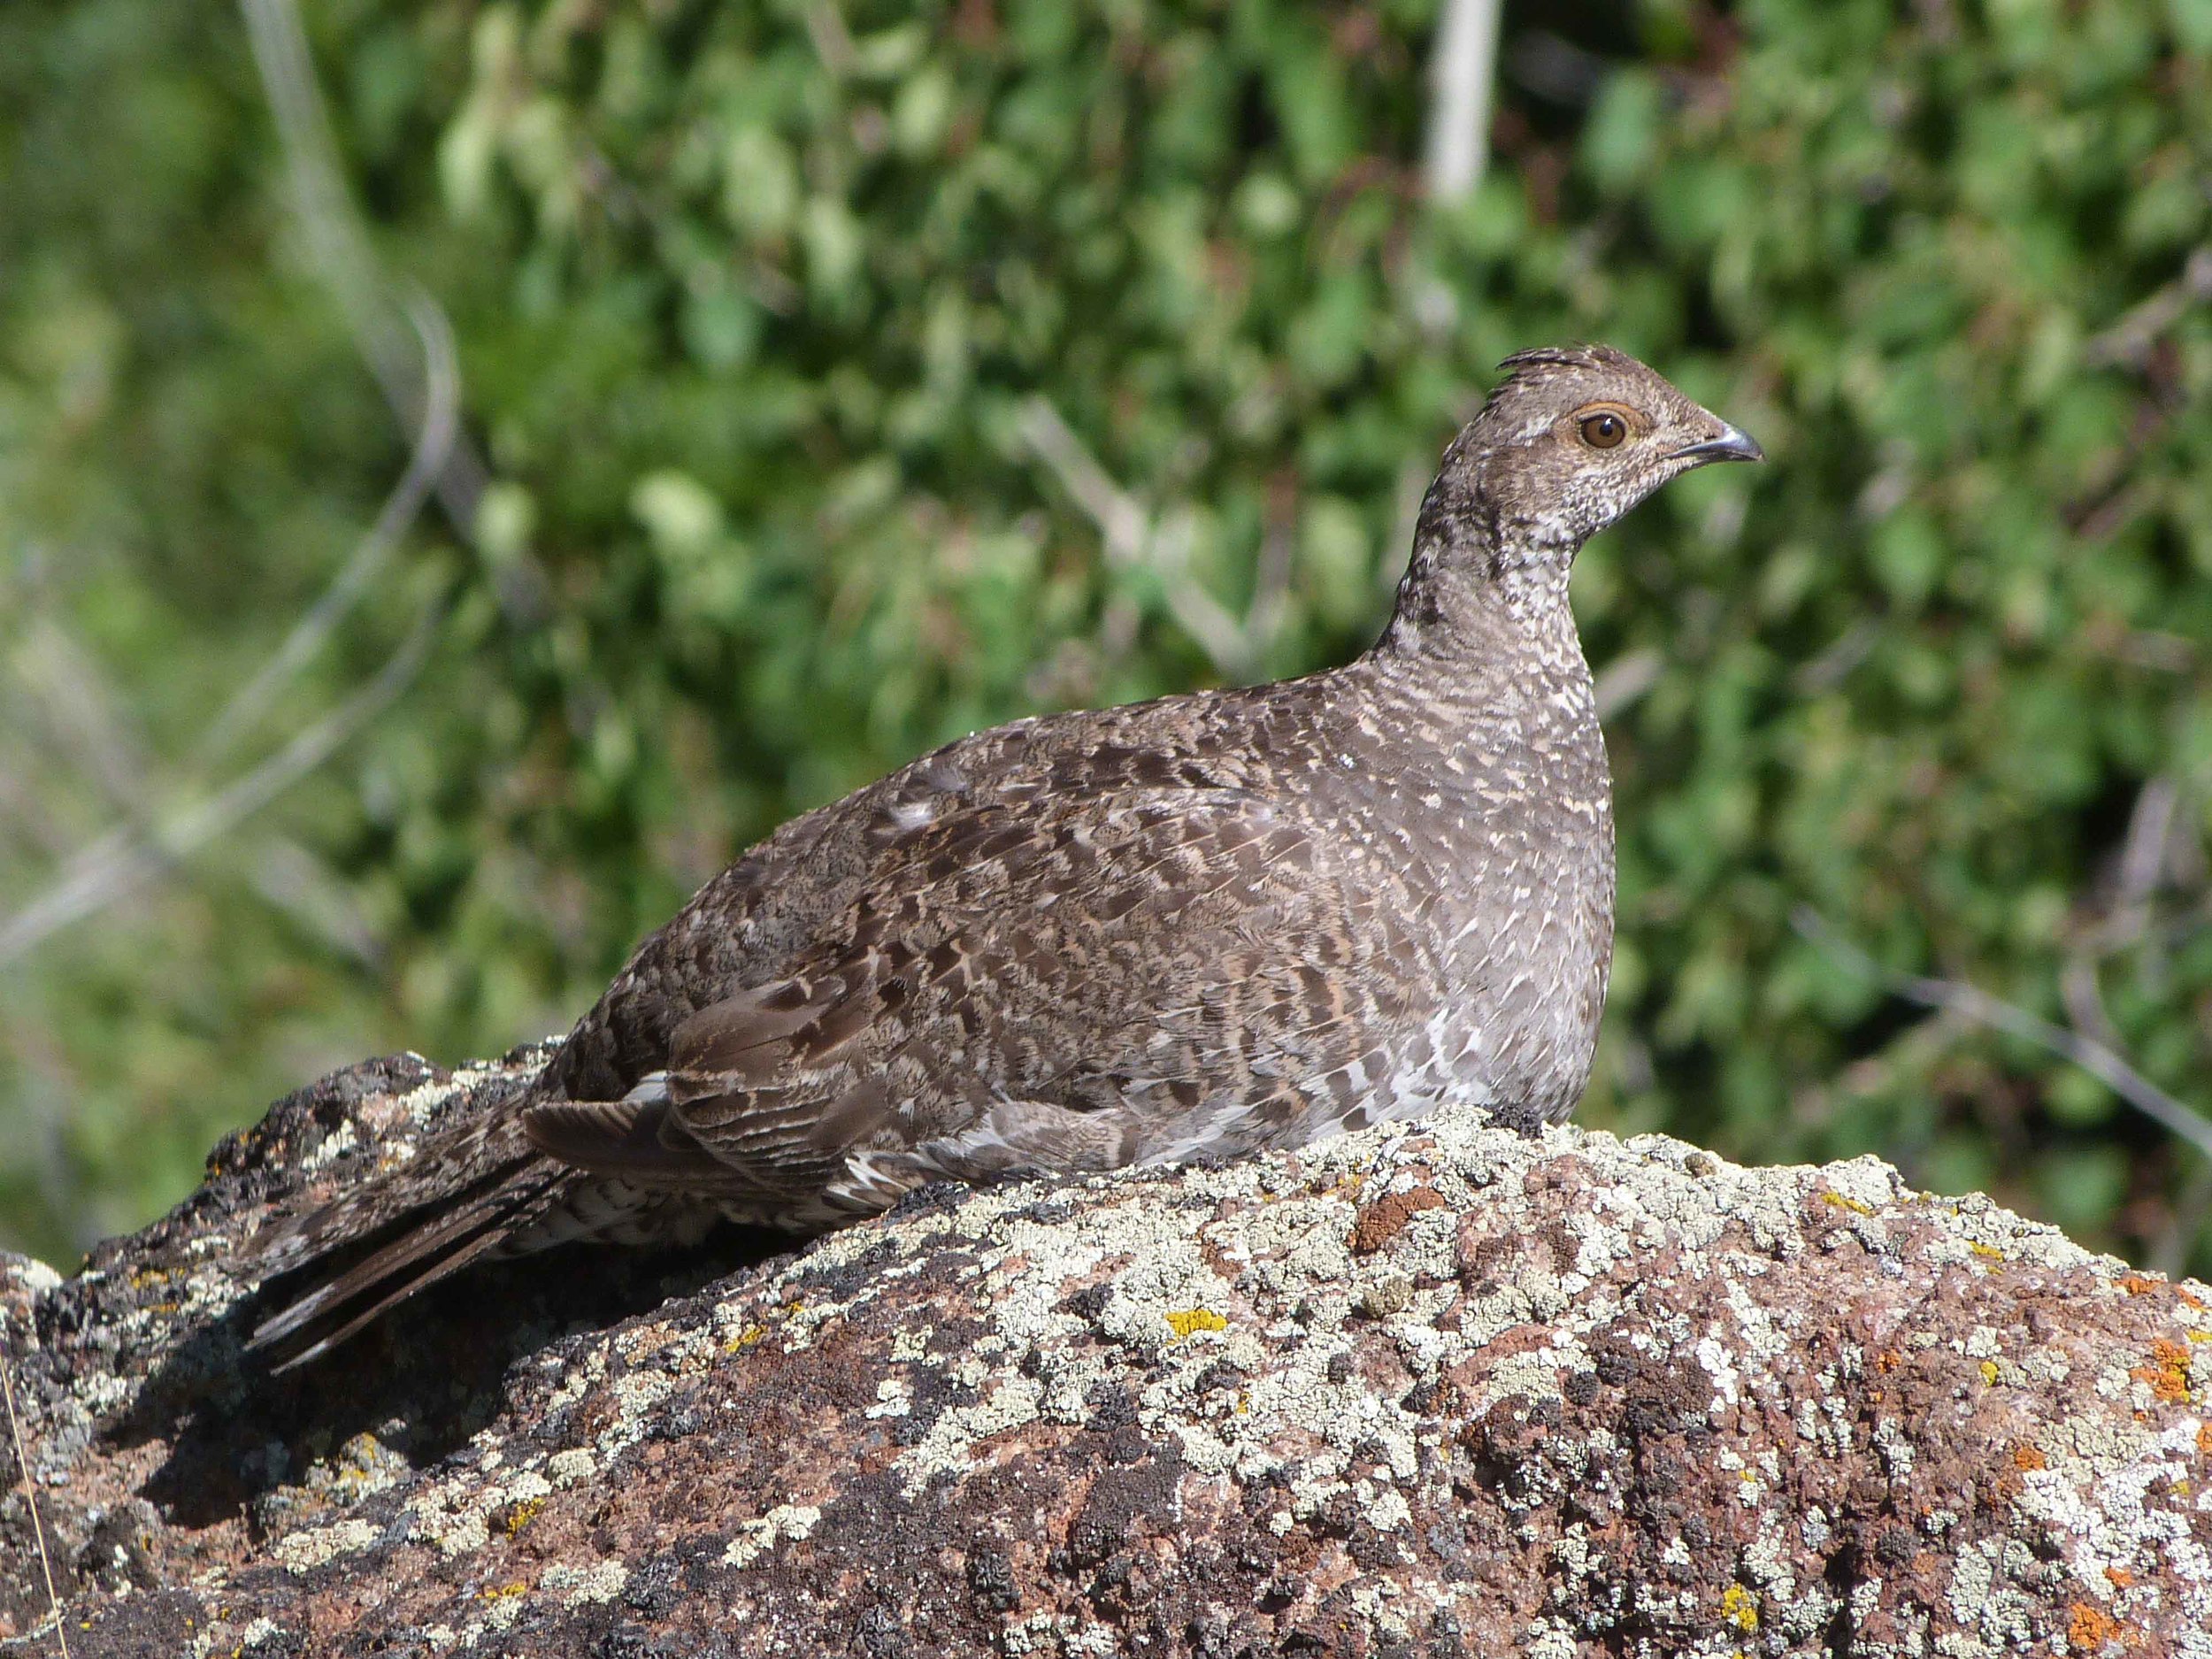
749 300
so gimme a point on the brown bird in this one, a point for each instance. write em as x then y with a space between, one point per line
1190 928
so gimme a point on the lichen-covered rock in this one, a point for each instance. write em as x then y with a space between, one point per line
1438 1390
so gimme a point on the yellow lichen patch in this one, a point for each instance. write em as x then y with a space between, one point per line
745 1339
2167 1373
1989 1250
2026 1459
1185 1321
503 1592
2089 1628
1843 1201
2199 1336
520 1513
1989 1373
1739 1608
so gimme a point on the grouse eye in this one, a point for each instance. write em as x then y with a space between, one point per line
1603 430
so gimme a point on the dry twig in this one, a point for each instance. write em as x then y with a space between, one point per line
1625 678
2130 340
1135 540
341 246
441 430
426 396
30 1499
120 860
2098 1059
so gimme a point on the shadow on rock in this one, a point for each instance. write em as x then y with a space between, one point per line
409 1391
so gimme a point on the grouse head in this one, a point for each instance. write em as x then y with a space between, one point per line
1572 438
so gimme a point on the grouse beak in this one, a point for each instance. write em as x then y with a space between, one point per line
1732 445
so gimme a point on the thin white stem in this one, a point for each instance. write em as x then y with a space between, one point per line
1462 75
30 1498
1972 1003
441 428
341 247
120 862
1625 678
1134 539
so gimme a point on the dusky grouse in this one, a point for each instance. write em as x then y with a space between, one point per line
1188 929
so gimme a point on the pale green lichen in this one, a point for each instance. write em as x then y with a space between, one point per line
303 1551
568 1467
599 1582
755 1538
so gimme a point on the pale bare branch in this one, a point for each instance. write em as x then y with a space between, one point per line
339 245
295 882
440 428
79 708
1625 678
120 862
2101 1061
2130 340
1134 539
833 41
1462 73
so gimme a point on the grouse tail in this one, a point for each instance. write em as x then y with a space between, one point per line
460 1198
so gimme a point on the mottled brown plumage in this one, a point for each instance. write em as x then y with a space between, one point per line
1189 928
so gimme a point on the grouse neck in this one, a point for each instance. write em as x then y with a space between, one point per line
1472 679
1478 610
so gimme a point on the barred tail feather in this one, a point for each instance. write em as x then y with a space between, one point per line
417 1259
461 1197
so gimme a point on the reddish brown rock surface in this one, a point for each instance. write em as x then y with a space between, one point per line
1432 1392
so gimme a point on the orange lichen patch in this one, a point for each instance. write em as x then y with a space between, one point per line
2167 1373
2089 1628
2121 1577
1387 1217
2137 1284
2026 1457
2189 1299
1842 1202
